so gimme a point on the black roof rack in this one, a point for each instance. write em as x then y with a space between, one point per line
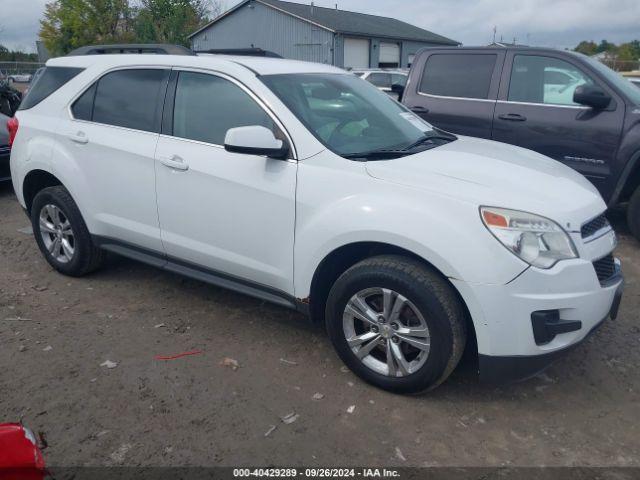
131 48
245 52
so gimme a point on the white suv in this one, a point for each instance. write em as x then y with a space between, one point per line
304 185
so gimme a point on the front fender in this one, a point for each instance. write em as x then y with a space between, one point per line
448 234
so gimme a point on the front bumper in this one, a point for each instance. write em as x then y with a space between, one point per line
514 340
506 369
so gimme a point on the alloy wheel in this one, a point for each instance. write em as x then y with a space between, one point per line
56 233
386 332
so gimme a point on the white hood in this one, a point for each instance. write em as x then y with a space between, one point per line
489 173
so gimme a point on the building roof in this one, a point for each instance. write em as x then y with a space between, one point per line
345 22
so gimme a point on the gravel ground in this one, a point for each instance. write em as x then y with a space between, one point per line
56 332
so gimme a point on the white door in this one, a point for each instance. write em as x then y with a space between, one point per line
114 134
226 212
356 53
389 55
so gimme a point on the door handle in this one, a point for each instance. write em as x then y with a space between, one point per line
175 162
79 137
512 117
420 110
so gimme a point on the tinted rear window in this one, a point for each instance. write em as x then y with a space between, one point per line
458 75
50 80
130 98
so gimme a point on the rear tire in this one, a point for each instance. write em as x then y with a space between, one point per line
62 235
633 213
423 308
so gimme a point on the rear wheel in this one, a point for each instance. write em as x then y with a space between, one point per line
396 323
633 213
61 234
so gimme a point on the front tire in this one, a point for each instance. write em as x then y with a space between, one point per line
633 214
396 323
62 235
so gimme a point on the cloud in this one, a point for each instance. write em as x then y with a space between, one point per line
20 22
554 23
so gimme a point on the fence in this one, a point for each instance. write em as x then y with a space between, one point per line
621 66
14 68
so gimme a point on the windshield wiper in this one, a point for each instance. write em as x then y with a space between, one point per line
377 154
429 138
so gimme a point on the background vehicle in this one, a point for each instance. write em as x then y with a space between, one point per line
384 79
562 104
5 150
16 77
406 240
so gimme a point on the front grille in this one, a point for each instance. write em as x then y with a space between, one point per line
605 268
594 225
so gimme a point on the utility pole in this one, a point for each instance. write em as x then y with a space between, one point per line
495 30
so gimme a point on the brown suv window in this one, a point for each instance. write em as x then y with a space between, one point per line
458 75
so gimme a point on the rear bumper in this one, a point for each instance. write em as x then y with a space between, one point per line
507 369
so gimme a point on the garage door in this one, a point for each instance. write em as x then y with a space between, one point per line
356 53
389 55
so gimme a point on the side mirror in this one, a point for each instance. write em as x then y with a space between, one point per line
591 96
398 89
255 140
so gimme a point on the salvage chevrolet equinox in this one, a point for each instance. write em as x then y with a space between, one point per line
303 185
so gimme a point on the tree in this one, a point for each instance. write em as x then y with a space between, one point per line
68 24
171 21
588 48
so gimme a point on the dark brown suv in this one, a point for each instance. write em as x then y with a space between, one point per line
562 104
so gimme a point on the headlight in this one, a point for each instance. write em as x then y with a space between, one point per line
536 240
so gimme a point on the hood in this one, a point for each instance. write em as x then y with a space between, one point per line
483 172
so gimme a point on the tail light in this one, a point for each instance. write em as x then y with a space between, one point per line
12 126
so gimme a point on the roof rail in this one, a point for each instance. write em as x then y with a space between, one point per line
131 48
246 52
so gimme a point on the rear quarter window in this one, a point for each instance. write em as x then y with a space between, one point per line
47 82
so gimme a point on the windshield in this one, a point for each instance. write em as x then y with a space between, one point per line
625 86
349 115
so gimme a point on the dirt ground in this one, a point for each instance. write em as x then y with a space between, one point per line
55 332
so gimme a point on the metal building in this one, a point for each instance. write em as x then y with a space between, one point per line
317 34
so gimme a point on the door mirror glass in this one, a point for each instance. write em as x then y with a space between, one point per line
591 96
255 140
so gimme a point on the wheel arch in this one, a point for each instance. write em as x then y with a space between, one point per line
344 257
35 181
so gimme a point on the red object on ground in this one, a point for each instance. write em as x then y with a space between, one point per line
178 355
20 457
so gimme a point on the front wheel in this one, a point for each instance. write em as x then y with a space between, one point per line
396 323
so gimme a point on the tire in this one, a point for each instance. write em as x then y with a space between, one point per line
419 289
59 211
633 214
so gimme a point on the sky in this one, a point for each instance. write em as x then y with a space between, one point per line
550 23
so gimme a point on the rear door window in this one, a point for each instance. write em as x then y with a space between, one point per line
458 75
82 108
48 81
129 98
